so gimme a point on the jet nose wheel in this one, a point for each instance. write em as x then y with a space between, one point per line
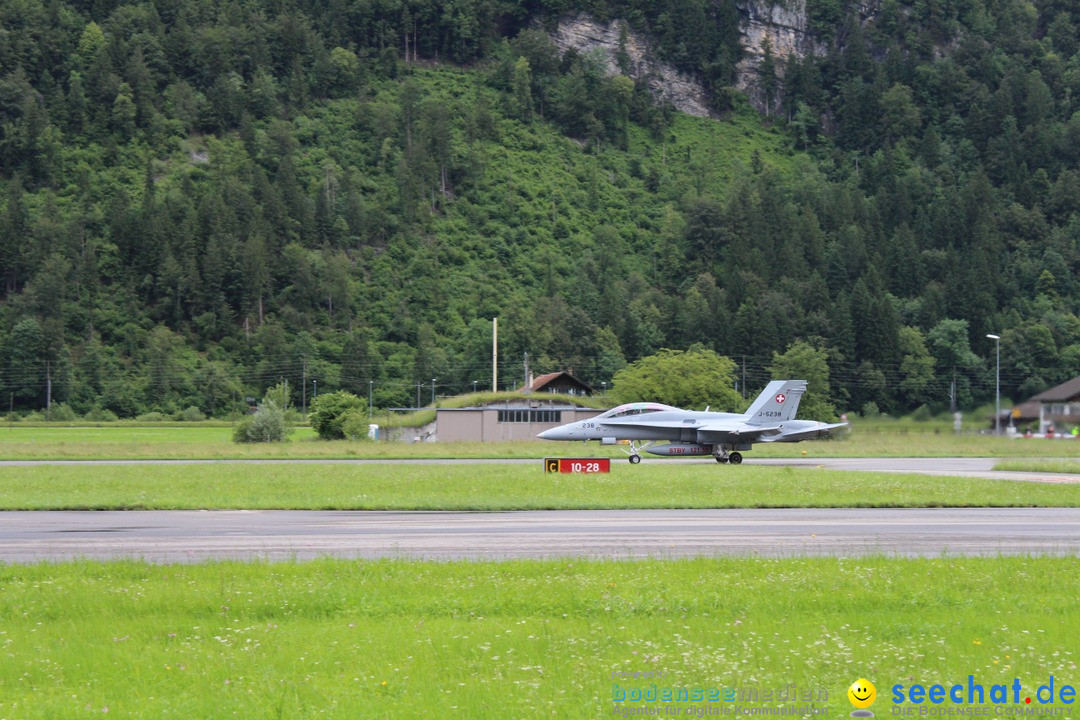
735 458
635 459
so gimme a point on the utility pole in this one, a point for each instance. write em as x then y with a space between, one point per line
370 392
495 355
417 394
528 389
303 388
743 377
48 388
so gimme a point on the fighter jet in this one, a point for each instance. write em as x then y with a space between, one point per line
689 433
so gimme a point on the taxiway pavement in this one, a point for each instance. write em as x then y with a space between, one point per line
950 466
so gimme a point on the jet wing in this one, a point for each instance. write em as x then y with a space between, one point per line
807 434
736 432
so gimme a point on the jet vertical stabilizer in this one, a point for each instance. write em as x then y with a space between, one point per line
778 402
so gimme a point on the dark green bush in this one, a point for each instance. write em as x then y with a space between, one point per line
266 425
328 413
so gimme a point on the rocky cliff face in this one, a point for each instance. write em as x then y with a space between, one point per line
783 28
666 83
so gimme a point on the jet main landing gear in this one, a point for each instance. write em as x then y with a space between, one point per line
723 456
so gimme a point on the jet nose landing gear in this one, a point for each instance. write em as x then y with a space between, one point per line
735 458
635 451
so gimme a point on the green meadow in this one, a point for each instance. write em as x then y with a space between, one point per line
1033 465
214 441
495 486
393 639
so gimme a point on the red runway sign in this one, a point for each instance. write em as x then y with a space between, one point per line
577 465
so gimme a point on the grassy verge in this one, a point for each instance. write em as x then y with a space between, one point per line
214 442
1050 466
392 639
497 487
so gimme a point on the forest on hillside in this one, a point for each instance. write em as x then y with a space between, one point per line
201 199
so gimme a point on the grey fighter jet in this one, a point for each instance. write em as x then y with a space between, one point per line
671 432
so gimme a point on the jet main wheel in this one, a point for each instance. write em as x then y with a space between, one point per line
721 459
735 458
635 459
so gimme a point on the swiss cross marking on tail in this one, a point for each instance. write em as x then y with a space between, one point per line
780 398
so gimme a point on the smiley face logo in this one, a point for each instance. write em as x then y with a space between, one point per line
862 694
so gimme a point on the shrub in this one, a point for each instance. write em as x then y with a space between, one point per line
921 414
97 414
244 431
62 412
152 417
354 424
266 425
329 410
191 414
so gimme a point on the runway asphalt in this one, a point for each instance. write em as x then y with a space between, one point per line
192 536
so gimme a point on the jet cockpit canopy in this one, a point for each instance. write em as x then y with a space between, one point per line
630 409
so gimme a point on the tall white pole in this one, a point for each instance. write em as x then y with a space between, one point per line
495 355
997 390
997 386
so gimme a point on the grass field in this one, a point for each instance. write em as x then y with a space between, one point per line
1032 465
214 441
391 639
496 487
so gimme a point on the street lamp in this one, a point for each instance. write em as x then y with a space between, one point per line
997 385
433 392
474 382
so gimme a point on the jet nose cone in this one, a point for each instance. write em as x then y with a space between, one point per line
557 433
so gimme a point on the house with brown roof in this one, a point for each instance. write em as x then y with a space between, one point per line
1059 406
558 382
